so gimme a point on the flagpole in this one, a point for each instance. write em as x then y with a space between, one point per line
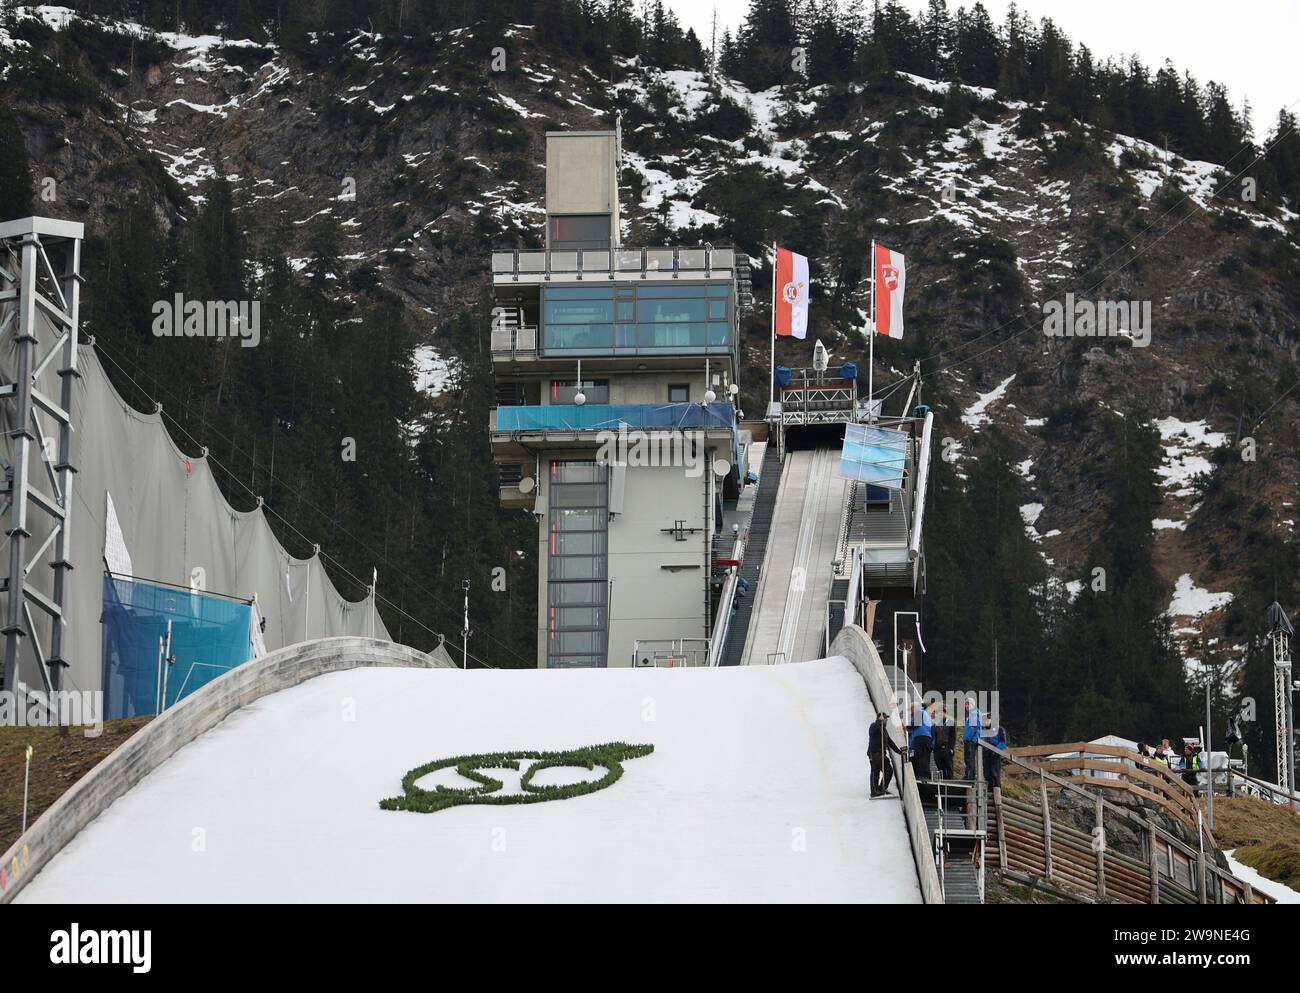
871 347
771 386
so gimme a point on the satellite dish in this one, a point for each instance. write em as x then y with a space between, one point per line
735 388
526 484
579 398
710 396
821 358
721 467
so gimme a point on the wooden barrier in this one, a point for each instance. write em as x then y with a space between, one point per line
1031 843
1142 777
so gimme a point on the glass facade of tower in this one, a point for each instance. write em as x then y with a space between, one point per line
637 318
577 587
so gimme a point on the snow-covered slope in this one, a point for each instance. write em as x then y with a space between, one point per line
756 790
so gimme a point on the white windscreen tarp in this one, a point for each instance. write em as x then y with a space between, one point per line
171 519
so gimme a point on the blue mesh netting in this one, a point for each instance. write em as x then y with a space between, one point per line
210 635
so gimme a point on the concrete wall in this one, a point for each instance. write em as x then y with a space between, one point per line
648 600
202 710
853 644
582 175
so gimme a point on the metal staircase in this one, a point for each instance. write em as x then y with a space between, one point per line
760 524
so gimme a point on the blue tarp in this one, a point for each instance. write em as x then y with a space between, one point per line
210 635
874 455
782 377
609 416
849 370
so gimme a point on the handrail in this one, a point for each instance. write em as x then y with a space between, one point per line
1166 788
1171 842
609 261
1265 786
722 623
1010 754
922 482
853 644
855 581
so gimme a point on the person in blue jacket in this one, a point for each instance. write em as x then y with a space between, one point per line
921 742
970 736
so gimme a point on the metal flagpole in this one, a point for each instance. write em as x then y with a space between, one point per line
771 387
1209 762
464 630
871 347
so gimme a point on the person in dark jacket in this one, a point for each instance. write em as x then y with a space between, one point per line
921 742
944 733
1191 764
882 769
992 760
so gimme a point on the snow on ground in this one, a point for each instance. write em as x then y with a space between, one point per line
1030 513
1182 463
1192 601
432 371
1278 891
756 791
975 414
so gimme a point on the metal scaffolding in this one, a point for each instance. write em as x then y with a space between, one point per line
40 291
1280 633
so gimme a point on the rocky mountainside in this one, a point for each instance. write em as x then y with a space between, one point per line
1095 493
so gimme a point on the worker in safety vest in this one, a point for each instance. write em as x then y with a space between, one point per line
1191 763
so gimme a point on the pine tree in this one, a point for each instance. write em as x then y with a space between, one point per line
15 168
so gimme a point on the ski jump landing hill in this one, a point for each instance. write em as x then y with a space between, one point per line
265 785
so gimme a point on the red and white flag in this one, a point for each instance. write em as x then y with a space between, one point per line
891 281
791 293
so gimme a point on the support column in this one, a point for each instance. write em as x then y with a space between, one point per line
44 292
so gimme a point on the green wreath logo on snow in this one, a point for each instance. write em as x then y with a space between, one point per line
610 757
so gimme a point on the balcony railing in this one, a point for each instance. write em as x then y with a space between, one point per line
612 416
514 339
648 263
677 653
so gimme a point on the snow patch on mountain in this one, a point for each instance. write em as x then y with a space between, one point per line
1191 600
976 414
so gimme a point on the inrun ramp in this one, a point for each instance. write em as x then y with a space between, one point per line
789 623
756 790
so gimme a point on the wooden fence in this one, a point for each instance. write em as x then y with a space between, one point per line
1034 843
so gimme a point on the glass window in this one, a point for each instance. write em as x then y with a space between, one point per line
575 519
679 394
670 311
576 641
579 311
577 563
580 231
564 390
579 542
579 617
602 319
580 593
579 567
576 472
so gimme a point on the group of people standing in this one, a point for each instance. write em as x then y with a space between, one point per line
931 742
1190 762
